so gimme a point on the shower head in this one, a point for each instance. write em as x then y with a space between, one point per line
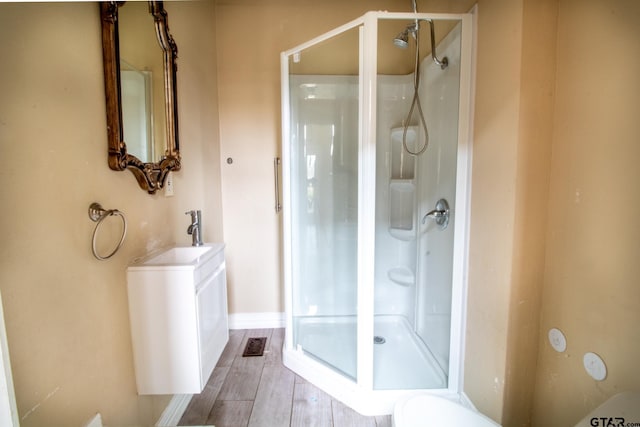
402 39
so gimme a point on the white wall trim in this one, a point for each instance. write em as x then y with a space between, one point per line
8 407
464 399
174 410
256 320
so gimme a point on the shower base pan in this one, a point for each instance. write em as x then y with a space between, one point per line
401 360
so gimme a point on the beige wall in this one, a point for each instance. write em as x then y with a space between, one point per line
66 312
554 142
592 272
493 201
539 20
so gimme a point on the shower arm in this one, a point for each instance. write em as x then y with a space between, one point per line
444 62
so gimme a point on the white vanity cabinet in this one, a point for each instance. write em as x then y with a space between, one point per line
178 317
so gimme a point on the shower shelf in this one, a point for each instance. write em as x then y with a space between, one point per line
399 182
403 165
402 234
402 276
401 207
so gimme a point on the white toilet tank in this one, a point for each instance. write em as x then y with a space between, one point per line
428 409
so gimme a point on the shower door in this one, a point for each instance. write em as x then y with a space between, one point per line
322 161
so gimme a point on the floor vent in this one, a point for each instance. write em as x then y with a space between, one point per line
255 347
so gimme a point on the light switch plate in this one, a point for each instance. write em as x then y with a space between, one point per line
168 185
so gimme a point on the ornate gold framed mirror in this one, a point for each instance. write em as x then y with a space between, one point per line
140 89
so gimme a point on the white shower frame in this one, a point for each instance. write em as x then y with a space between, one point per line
360 394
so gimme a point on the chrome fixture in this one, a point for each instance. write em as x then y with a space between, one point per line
402 41
98 214
440 214
195 229
444 62
276 173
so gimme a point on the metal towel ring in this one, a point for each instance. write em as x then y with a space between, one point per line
97 214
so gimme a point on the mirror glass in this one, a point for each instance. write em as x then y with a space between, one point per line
141 83
140 74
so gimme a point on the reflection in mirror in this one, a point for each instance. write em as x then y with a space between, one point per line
140 91
137 112
142 83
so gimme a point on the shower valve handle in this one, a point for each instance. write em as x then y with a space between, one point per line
436 213
440 214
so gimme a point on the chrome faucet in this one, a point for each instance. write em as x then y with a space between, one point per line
195 229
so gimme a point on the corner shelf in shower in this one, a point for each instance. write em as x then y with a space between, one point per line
402 276
402 234
403 165
402 183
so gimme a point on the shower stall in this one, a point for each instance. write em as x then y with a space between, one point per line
375 164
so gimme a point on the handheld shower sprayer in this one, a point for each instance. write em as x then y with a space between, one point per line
402 41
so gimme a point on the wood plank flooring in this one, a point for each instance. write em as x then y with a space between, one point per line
262 392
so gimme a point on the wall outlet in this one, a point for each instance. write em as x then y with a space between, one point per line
168 185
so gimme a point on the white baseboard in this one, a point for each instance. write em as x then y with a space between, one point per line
256 320
174 410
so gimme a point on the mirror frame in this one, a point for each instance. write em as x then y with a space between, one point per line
151 176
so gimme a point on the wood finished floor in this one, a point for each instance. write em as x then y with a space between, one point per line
262 392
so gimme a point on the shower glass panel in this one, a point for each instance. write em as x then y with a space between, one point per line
323 152
413 259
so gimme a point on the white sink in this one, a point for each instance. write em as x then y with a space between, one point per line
179 256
